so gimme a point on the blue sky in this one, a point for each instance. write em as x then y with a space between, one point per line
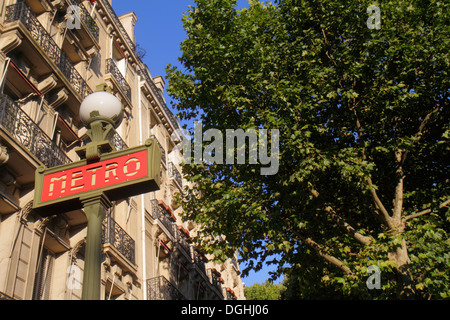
159 31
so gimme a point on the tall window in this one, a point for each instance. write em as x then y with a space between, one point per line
42 282
119 57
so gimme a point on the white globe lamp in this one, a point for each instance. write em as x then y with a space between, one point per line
102 106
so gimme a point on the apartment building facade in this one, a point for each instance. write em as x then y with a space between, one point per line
53 53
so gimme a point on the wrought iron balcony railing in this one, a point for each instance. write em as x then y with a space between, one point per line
21 12
160 288
158 212
230 294
119 239
87 19
146 75
75 79
182 242
175 174
123 32
173 120
199 261
163 151
116 141
115 72
25 131
216 281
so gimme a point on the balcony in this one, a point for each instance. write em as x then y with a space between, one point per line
182 241
116 141
216 281
21 12
106 4
163 151
160 288
199 263
160 213
75 79
175 175
15 122
122 84
144 73
230 294
114 235
199 259
86 18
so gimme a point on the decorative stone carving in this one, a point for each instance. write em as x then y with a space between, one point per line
4 155
10 41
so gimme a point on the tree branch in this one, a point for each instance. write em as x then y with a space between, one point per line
321 252
343 224
347 227
384 215
319 249
398 199
426 211
420 130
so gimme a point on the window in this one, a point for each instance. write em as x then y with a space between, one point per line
42 282
119 57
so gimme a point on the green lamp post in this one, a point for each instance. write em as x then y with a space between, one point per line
101 112
102 175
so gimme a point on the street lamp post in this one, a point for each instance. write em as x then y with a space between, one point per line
101 112
101 176
95 208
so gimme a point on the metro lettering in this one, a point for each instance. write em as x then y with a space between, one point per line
76 178
137 166
94 176
52 184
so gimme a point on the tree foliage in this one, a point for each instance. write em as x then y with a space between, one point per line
264 291
364 141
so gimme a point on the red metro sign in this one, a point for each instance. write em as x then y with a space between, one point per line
118 175
94 176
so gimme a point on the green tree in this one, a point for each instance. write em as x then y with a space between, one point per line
364 141
264 291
